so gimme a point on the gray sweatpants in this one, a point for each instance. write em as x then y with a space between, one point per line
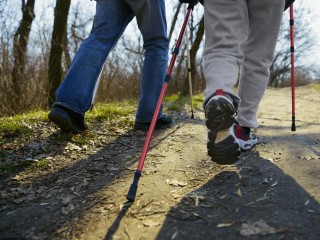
240 39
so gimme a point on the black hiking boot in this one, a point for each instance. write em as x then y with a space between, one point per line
67 120
163 122
223 147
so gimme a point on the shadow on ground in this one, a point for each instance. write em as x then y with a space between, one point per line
259 201
61 198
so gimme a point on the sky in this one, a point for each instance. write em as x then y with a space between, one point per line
314 6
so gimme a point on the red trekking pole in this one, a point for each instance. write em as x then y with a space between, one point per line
134 186
293 125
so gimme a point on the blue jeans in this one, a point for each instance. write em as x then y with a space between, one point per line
112 17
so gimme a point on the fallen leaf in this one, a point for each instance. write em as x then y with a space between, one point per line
150 223
238 192
66 200
176 195
71 146
257 228
176 183
67 209
308 157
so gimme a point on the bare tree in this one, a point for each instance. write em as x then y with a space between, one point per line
55 70
66 49
20 42
174 20
2 5
79 23
193 55
304 42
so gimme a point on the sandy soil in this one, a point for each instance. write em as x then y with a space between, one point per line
273 192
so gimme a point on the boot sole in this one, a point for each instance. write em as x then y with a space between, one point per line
247 145
222 145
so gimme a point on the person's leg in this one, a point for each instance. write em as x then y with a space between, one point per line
265 19
78 88
151 18
226 30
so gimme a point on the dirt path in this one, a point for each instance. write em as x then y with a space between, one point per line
273 192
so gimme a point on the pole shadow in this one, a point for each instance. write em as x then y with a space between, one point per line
114 227
59 199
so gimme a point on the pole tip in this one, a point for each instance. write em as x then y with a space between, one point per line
293 125
134 186
132 192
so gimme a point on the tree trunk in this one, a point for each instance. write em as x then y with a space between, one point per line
55 69
193 54
20 42
178 79
66 49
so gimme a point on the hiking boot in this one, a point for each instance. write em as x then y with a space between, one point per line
245 137
223 147
163 122
67 120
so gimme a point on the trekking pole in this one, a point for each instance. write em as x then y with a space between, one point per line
189 68
293 125
134 186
